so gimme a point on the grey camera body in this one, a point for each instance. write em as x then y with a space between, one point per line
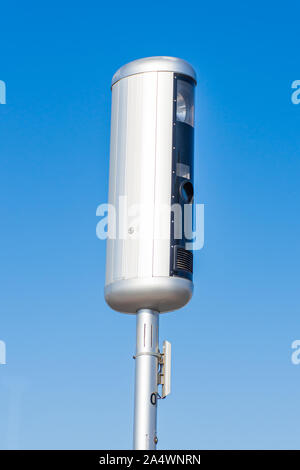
149 263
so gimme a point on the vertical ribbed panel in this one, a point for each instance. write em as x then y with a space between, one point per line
163 172
110 244
140 170
133 178
147 157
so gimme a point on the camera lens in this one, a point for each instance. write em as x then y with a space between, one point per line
187 192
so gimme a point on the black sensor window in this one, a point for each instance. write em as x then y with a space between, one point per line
187 192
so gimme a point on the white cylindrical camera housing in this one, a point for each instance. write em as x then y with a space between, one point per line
148 264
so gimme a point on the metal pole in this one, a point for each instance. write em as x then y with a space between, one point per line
146 369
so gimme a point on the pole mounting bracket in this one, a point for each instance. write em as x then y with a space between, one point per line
164 370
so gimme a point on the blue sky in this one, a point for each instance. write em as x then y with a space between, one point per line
68 381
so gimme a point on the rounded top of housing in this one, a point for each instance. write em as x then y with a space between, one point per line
155 64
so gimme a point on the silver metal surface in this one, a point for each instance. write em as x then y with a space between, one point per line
146 368
166 369
162 294
155 64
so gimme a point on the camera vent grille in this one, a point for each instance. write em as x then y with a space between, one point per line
183 259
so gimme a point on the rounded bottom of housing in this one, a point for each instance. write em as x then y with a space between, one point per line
156 293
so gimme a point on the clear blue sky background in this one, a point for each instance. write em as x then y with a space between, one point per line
68 381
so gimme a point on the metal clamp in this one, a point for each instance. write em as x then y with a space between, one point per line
158 355
164 372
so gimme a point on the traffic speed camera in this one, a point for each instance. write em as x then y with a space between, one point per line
148 261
